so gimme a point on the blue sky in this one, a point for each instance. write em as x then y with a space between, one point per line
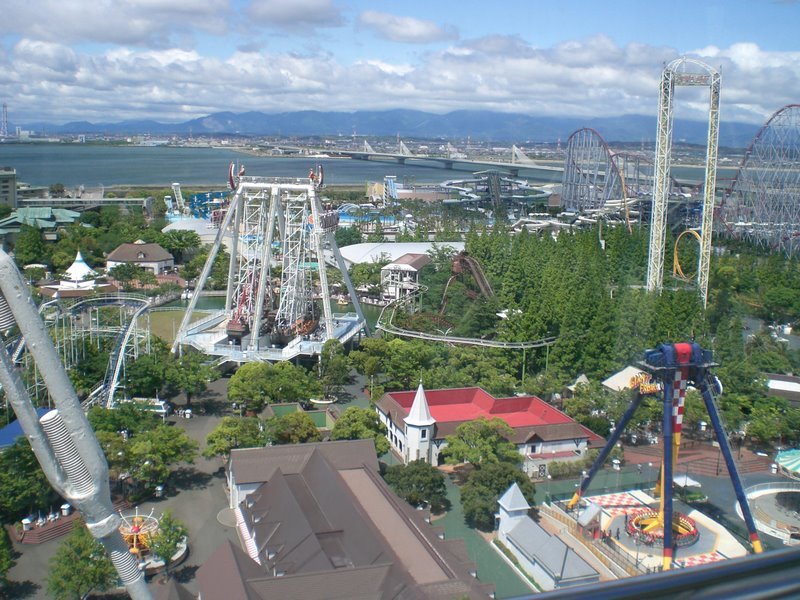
171 60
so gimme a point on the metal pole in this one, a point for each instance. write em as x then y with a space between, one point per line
62 440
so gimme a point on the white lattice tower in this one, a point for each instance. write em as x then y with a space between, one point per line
248 267
684 72
295 285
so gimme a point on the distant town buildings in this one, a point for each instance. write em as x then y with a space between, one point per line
8 187
418 422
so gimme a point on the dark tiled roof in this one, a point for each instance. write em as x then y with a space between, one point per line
256 465
334 532
173 591
224 574
130 253
415 261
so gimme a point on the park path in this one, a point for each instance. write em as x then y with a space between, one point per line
491 567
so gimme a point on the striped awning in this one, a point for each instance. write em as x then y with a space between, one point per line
789 460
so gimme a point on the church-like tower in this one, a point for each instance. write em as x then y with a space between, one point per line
419 429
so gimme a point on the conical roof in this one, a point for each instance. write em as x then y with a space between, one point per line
420 414
79 270
513 499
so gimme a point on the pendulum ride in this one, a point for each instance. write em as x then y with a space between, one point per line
671 368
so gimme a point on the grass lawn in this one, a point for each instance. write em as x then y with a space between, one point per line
491 567
165 323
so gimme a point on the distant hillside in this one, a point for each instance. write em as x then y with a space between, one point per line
479 125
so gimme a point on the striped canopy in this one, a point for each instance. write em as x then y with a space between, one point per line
789 460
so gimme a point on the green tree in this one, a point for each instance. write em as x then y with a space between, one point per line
80 566
91 368
334 367
249 386
6 559
23 486
171 534
125 417
191 374
30 247
234 432
357 423
152 453
419 484
481 442
479 495
347 236
145 277
125 273
294 428
146 375
255 384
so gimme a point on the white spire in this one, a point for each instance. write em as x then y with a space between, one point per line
420 414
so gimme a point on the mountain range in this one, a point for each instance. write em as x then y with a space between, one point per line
476 124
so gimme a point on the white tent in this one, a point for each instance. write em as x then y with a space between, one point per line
685 481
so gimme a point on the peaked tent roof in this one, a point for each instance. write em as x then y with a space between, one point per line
79 270
513 499
420 414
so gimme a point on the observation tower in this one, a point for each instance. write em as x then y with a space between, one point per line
277 300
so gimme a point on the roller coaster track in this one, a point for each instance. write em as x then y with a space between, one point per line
106 388
117 357
461 262
387 325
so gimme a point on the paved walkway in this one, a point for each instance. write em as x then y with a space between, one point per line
198 500
491 567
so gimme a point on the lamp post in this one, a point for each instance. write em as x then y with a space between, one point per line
547 495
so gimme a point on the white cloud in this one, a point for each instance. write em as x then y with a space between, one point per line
295 14
45 80
133 22
405 29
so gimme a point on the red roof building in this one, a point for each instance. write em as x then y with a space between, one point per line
419 421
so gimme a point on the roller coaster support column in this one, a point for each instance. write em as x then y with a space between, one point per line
612 441
705 389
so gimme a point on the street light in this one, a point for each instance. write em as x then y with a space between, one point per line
547 495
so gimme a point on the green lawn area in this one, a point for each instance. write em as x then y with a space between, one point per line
491 567
165 323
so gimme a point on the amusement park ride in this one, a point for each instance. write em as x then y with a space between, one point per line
269 223
671 368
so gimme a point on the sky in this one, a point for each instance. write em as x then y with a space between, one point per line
173 60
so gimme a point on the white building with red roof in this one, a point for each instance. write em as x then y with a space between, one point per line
418 422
